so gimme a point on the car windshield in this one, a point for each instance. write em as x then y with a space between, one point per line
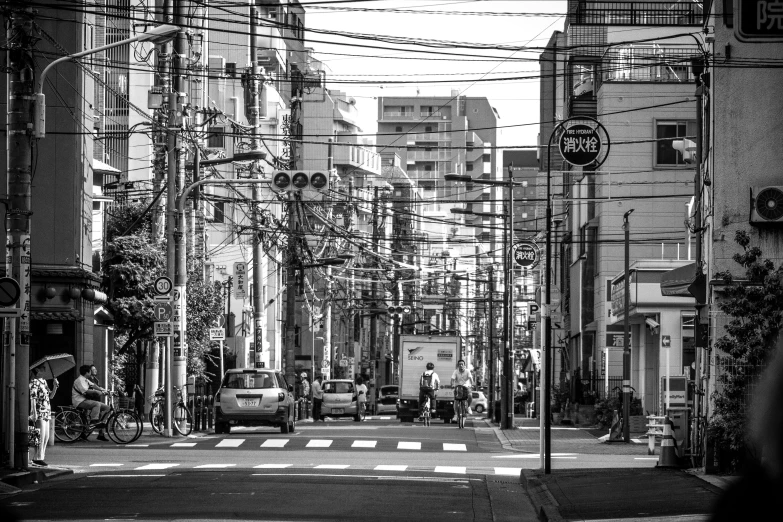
338 387
249 381
389 391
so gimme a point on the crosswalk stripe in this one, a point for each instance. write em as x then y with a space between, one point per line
275 443
214 466
364 443
409 445
230 443
449 469
106 465
183 444
454 447
155 466
508 471
319 443
332 466
272 466
390 467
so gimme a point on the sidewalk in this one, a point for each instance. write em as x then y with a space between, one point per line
629 494
13 479
649 494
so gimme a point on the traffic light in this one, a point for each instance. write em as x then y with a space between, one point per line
310 182
399 310
687 148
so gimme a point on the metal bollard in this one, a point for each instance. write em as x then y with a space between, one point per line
197 413
210 412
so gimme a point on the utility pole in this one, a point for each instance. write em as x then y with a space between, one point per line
19 139
492 361
295 134
327 355
627 333
255 109
177 353
373 348
508 358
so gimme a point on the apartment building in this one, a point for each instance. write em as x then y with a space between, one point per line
628 65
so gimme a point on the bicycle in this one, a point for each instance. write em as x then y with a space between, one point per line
460 404
181 417
122 425
426 411
361 411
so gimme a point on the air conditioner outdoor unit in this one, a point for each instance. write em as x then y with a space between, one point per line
766 205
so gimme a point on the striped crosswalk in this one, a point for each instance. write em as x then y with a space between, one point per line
448 470
319 444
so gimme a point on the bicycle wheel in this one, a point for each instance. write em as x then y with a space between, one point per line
68 426
460 414
156 417
124 426
182 419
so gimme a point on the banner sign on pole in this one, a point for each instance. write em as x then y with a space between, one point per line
240 280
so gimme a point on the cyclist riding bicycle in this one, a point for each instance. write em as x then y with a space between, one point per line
462 377
429 383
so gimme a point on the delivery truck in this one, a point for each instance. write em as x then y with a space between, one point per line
415 352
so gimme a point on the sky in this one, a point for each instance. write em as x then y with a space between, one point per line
458 51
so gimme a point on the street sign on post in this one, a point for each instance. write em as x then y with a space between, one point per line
162 311
163 285
9 291
580 144
217 334
163 329
526 254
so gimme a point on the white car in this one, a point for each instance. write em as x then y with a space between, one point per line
249 397
387 399
338 399
478 401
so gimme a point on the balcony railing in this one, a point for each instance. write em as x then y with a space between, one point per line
431 155
637 13
649 64
429 136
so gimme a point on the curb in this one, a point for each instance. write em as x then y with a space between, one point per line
25 478
543 502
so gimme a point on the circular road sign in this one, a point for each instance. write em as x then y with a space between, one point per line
580 144
526 254
163 285
281 180
9 291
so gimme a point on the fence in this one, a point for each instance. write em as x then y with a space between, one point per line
595 388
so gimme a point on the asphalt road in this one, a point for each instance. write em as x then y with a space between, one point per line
376 470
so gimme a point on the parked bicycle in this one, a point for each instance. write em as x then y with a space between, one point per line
181 417
122 425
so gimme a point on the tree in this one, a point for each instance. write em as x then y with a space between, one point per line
131 265
755 307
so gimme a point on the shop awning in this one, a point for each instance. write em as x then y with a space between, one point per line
681 282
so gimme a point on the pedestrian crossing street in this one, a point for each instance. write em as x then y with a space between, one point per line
315 469
317 444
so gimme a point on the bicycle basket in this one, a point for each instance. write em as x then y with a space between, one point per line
460 393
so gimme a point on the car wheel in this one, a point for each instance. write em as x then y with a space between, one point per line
292 426
284 428
218 429
479 408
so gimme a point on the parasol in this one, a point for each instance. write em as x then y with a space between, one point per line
54 365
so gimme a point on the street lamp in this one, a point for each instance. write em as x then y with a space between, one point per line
506 396
156 35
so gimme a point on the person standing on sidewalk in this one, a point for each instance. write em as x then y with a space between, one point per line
41 411
318 398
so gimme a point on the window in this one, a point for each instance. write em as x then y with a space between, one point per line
469 167
231 69
218 212
486 158
688 343
397 129
428 128
665 134
215 138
